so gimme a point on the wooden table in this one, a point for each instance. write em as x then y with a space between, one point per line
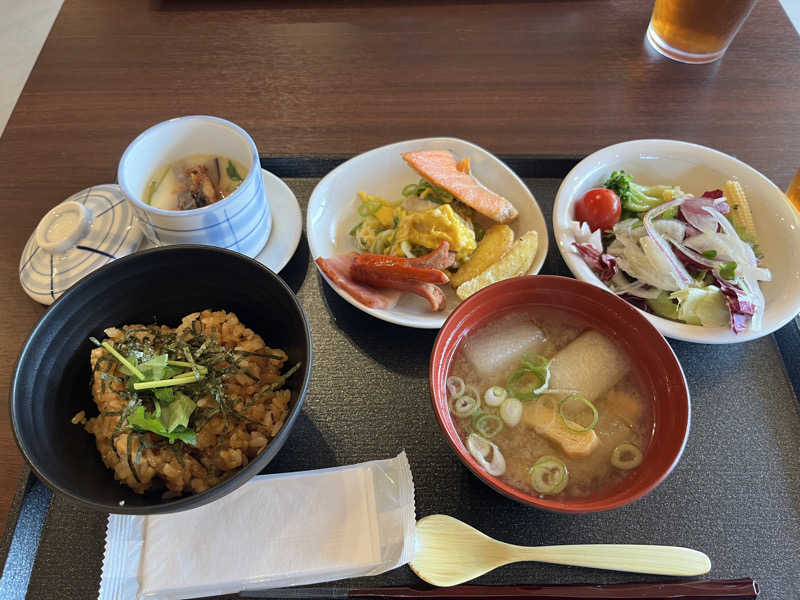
558 77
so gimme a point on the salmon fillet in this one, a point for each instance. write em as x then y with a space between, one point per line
440 168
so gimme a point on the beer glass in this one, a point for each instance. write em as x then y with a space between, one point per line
696 31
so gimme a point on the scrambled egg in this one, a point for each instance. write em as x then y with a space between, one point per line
433 226
391 229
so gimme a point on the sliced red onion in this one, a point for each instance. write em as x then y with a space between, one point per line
713 194
740 304
695 260
693 211
678 271
728 228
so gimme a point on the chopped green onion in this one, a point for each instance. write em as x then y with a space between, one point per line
463 406
355 229
455 386
370 207
409 190
626 456
568 423
488 425
531 378
495 395
549 475
511 411
188 365
182 379
466 403
125 362
480 448
728 270
709 253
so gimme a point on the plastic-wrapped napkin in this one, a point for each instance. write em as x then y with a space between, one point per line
274 531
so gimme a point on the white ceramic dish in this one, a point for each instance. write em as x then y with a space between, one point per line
696 169
332 212
287 224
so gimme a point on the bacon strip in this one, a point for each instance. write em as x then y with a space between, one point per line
361 276
430 292
441 258
337 270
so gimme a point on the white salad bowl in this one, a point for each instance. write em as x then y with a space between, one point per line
695 169
333 211
241 222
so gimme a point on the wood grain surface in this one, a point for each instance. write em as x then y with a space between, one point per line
547 77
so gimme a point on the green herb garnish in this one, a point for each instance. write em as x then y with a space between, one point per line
728 270
233 174
709 253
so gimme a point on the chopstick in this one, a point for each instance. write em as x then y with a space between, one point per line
730 589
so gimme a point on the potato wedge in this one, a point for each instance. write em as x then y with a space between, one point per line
492 247
516 261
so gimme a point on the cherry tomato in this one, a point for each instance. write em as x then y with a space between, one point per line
600 208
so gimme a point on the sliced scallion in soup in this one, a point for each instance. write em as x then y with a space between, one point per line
194 182
562 415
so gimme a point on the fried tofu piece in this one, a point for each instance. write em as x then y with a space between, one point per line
514 262
497 241
591 364
542 415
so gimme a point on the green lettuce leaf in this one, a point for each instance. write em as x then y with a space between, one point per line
171 421
177 413
702 306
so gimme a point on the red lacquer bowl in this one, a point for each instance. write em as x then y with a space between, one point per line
660 374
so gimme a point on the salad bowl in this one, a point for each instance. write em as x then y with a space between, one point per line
695 169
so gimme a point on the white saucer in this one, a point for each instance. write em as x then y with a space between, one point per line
287 223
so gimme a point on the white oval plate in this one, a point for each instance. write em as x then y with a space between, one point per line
333 206
696 169
287 224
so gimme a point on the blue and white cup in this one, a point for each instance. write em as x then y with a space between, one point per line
240 222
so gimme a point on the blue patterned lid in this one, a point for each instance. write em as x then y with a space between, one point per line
86 231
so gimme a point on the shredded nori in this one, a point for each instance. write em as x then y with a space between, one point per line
146 342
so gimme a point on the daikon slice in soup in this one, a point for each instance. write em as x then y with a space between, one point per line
548 405
194 182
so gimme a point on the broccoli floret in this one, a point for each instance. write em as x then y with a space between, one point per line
632 196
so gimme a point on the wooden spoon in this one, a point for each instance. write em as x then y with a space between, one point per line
449 552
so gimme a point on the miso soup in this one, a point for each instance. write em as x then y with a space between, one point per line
193 182
548 405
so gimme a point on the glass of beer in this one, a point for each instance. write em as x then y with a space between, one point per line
696 31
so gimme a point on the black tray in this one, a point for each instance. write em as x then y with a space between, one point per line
735 494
